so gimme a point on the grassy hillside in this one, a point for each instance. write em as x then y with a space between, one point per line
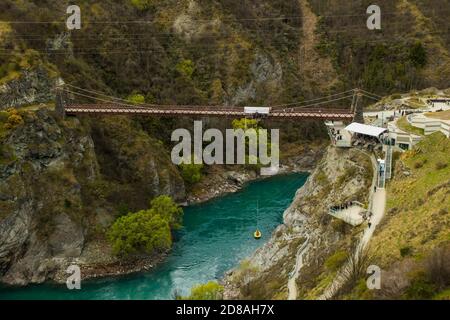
412 244
418 202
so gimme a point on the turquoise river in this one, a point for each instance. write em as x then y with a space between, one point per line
215 237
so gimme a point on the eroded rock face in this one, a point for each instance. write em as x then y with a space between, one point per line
188 26
56 198
266 71
68 238
33 87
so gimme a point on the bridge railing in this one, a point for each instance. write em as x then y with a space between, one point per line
178 110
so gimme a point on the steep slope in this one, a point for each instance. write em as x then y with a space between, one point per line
308 229
58 193
220 52
411 51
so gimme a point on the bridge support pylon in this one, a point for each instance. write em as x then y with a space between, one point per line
357 107
59 103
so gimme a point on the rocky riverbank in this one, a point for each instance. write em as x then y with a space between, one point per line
62 184
221 180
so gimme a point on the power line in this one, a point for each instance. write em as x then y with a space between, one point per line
223 33
159 20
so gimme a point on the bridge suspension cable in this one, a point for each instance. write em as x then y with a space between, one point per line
114 99
290 107
299 103
108 101
371 93
319 103
370 97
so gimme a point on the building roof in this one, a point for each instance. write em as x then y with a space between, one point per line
365 129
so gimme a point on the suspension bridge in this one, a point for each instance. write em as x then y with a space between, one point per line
318 109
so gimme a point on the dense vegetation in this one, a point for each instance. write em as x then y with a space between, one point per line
146 231
226 52
397 58
208 291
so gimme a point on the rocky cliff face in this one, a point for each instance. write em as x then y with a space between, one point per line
32 87
58 195
341 176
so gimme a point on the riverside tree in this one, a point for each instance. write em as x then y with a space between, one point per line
146 231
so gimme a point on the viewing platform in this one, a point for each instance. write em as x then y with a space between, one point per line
353 214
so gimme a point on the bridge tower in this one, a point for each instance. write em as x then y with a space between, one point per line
357 107
59 96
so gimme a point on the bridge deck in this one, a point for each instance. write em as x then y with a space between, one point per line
216 111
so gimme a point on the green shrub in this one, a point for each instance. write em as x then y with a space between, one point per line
418 55
245 124
334 262
146 231
142 4
191 173
168 209
185 68
123 209
209 291
405 251
420 288
444 295
136 98
140 232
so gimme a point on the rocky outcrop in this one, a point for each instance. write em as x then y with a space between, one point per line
342 175
57 198
266 72
189 26
32 87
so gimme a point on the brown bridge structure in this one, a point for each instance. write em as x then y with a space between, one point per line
313 111
205 111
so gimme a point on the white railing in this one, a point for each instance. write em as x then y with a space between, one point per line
388 162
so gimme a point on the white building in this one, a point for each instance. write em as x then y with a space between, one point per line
430 125
366 130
